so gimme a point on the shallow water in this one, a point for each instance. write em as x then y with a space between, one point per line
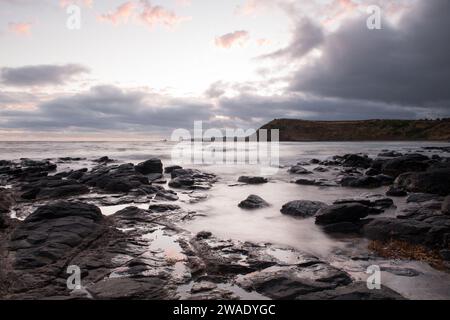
222 216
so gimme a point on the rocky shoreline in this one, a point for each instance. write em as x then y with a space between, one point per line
51 219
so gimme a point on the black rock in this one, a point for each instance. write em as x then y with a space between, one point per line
203 235
390 154
252 180
407 163
169 195
150 166
253 202
52 231
435 181
103 160
357 161
396 192
169 169
163 207
302 208
297 169
384 229
349 212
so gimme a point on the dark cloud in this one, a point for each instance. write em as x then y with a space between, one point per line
40 75
405 64
307 36
109 108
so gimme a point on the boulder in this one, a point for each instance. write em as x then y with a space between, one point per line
169 169
297 169
385 229
348 212
52 231
407 163
150 166
356 161
436 181
252 180
366 181
302 208
253 202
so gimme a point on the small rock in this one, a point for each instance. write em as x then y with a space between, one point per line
302 208
253 202
252 180
150 166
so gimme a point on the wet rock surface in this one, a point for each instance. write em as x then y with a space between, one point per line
253 202
302 208
142 252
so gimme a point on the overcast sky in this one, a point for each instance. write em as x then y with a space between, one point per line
140 69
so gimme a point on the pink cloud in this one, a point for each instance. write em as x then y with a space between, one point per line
228 40
21 28
153 15
263 42
122 13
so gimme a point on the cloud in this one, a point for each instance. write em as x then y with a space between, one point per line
20 28
40 75
406 63
121 14
109 108
230 39
307 36
143 12
154 15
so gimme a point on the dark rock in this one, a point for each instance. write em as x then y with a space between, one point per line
253 202
169 169
446 206
396 192
406 163
294 282
302 208
436 181
52 232
404 272
342 227
169 195
372 172
252 180
357 161
297 169
354 291
361 182
148 288
163 207
77 174
103 160
191 179
390 154
203 235
321 169
118 179
421 197
315 182
150 166
314 161
6 200
385 229
350 212
445 254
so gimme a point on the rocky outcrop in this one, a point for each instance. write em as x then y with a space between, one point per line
343 218
435 181
51 232
253 202
302 208
150 166
298 169
407 163
252 180
191 179
117 179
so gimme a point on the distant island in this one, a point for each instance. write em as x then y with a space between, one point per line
361 130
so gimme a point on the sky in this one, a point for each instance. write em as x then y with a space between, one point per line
117 69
